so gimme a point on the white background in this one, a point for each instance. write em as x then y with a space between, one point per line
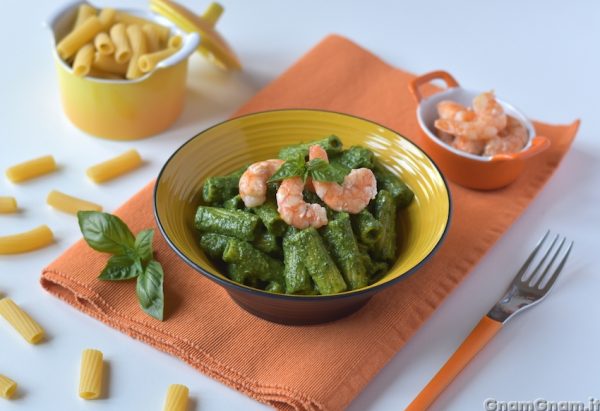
540 55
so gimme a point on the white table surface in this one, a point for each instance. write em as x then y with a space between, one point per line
540 55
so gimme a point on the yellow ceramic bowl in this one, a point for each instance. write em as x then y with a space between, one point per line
227 146
123 109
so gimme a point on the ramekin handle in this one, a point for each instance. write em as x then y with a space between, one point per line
538 144
415 85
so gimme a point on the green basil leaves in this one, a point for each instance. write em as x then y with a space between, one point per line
132 257
318 169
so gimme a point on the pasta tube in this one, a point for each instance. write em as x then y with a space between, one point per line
8 205
233 223
104 44
177 398
83 60
148 62
21 321
128 19
137 40
107 63
30 240
7 387
30 169
90 377
68 204
118 36
81 35
107 17
107 170
297 279
152 37
175 42
384 249
84 11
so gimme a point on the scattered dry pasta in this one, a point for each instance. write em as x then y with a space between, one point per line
21 321
107 170
30 240
7 387
30 169
177 398
120 39
69 204
8 204
90 377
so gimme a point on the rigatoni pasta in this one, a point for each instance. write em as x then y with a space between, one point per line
107 170
30 169
137 40
80 36
148 62
177 398
119 35
90 376
83 60
7 387
83 12
21 321
27 241
69 204
104 44
8 204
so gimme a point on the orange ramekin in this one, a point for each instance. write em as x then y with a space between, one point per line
470 170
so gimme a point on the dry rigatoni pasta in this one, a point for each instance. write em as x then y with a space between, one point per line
118 35
107 63
27 241
7 387
83 12
21 321
104 44
107 17
152 38
114 167
137 40
148 62
83 60
128 19
8 204
177 398
70 204
30 169
90 376
175 42
80 36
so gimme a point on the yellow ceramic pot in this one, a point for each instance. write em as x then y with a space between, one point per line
123 109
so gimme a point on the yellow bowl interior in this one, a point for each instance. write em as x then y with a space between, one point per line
229 145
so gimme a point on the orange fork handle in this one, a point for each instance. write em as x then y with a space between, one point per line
479 337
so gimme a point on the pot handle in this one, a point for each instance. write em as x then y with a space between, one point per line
415 84
538 144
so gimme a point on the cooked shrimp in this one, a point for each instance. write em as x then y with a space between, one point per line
353 195
253 183
469 145
510 140
294 210
484 122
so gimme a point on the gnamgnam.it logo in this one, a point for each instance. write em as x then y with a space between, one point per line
541 404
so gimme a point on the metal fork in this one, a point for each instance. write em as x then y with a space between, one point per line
528 288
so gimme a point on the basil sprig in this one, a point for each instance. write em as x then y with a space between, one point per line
132 257
318 169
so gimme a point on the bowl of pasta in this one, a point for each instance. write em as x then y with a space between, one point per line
122 72
302 215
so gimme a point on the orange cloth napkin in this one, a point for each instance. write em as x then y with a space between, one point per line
315 367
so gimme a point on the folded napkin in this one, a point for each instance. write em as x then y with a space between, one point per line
316 367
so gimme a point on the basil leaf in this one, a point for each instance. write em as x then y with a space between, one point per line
149 290
321 170
143 244
105 232
121 267
288 169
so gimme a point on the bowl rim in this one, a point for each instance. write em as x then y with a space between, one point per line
296 297
483 159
